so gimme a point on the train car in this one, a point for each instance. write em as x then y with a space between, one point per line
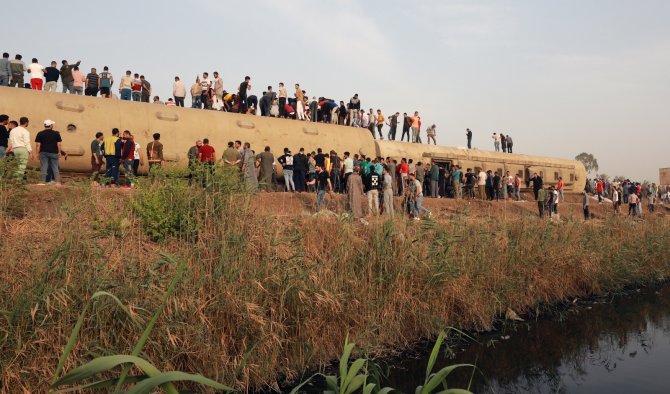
78 118
550 169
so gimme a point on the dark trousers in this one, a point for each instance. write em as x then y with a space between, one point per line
136 166
540 208
282 111
587 214
335 181
509 148
91 92
469 143
179 101
404 131
112 169
299 179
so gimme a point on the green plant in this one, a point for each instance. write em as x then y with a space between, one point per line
433 381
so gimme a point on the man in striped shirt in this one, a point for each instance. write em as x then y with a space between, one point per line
92 83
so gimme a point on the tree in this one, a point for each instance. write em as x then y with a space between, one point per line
589 161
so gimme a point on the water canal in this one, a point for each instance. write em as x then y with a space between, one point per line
619 344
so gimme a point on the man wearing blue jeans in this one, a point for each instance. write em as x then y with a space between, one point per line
48 144
286 160
323 185
111 147
416 191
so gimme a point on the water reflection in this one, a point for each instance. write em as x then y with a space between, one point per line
616 346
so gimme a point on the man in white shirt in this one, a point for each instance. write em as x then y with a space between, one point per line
482 184
20 145
36 75
496 141
126 86
205 84
179 91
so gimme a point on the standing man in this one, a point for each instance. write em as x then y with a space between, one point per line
205 87
193 156
348 164
51 75
4 134
5 70
335 171
537 184
111 148
540 197
286 161
323 185
207 160
380 123
503 142
415 126
196 94
481 184
456 177
373 184
136 88
96 156
106 82
355 191
266 159
509 144
249 169
300 103
36 75
430 132
18 69
468 134
354 107
78 81
126 86
48 145
406 124
242 94
127 156
179 92
19 143
388 192
300 167
155 152
218 87
231 156
517 187
283 96
434 175
393 126
585 205
92 83
66 76
496 142
560 186
146 89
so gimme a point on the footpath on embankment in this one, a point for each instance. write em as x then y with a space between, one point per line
271 289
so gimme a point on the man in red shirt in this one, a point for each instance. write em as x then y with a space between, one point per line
403 171
600 187
127 157
207 160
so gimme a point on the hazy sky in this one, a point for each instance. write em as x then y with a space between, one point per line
560 76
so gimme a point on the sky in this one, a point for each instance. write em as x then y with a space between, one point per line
560 76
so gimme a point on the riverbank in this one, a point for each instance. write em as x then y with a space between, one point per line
266 295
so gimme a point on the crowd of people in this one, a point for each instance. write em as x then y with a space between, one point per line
626 192
209 93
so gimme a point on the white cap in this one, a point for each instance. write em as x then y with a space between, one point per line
49 122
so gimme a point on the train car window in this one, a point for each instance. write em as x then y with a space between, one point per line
572 177
555 176
71 128
542 174
500 171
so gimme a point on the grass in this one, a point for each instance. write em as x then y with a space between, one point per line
263 297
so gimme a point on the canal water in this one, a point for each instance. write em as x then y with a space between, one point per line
612 345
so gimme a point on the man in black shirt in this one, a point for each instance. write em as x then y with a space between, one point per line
373 184
51 75
48 142
320 158
242 95
323 185
407 123
468 133
496 186
4 135
393 122
286 161
300 166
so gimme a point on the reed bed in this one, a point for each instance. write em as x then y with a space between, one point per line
262 297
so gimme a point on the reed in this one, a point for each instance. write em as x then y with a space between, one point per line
263 297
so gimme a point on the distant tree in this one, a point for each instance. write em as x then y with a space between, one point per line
619 178
589 161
